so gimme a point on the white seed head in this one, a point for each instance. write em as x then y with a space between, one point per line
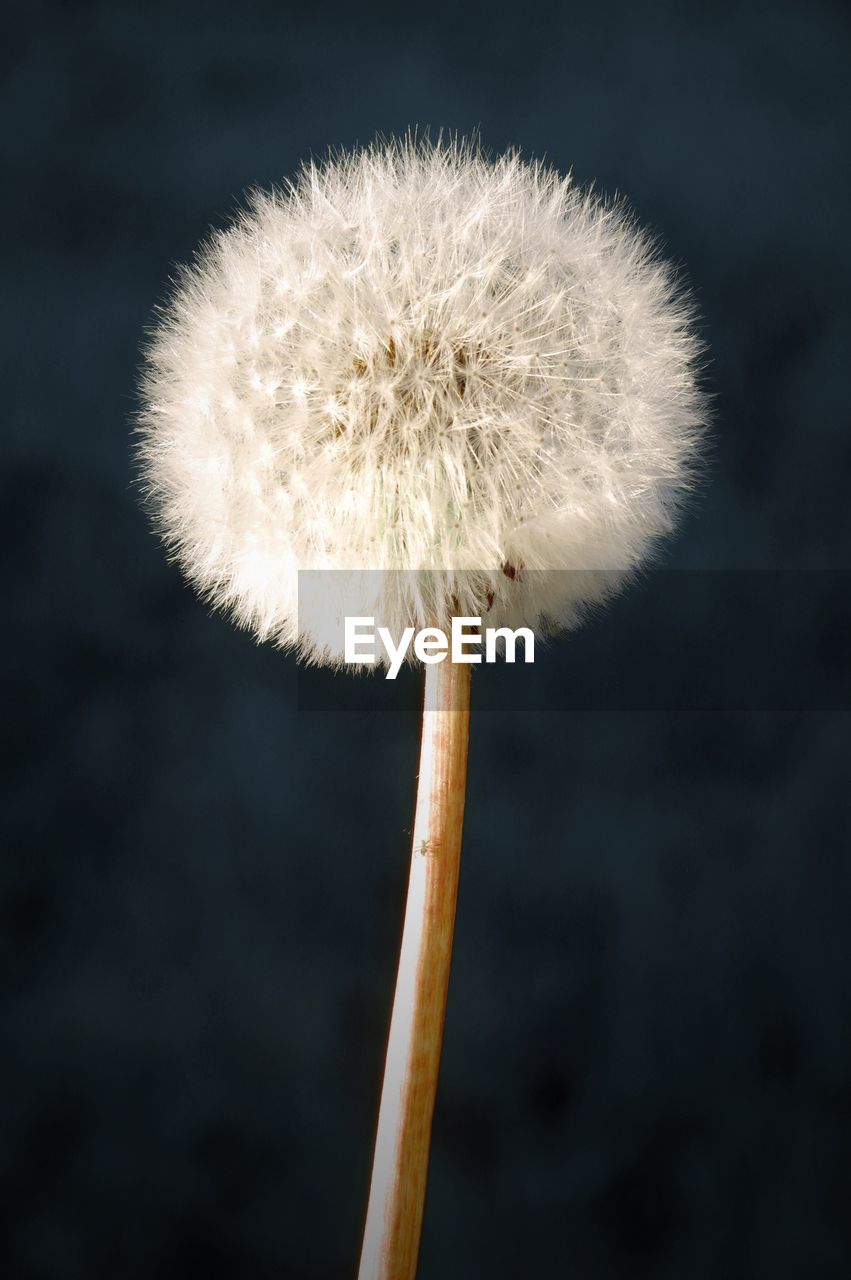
416 358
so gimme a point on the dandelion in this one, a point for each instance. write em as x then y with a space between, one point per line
466 386
417 359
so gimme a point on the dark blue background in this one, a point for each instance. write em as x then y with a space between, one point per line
647 1068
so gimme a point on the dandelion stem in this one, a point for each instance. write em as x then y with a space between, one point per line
400 1164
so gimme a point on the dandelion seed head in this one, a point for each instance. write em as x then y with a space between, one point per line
461 373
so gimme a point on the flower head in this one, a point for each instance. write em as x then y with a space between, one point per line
461 373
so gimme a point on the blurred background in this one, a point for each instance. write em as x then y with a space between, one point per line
647 1066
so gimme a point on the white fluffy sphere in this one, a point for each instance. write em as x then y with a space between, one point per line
463 374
